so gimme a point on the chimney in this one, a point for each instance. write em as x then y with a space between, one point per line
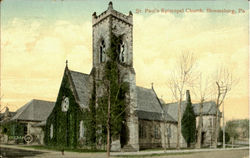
188 98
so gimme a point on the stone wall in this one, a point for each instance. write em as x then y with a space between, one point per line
37 133
169 139
207 130
149 134
166 138
111 21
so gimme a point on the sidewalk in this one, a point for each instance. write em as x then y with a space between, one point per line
173 151
139 153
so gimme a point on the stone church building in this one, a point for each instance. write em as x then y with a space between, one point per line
150 122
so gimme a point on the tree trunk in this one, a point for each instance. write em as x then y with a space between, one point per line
108 124
200 126
179 124
165 135
216 129
168 135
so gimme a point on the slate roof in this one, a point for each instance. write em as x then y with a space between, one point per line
149 107
148 104
209 108
82 86
35 110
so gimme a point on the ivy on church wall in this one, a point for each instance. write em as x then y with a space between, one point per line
118 90
14 130
66 125
90 121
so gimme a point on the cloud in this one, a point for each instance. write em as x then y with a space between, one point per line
34 52
215 41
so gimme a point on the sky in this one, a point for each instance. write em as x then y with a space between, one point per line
37 37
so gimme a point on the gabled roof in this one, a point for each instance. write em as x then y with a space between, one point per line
35 110
82 86
209 108
149 107
147 100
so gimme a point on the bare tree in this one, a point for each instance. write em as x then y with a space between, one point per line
201 91
223 81
109 111
180 79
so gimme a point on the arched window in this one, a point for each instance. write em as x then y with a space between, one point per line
121 51
102 52
51 131
81 129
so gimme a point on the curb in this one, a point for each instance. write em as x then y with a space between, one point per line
173 151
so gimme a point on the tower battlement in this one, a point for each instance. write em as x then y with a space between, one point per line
111 12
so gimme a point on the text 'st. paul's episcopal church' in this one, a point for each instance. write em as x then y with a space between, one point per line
150 123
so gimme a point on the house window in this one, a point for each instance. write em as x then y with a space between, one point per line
102 52
142 131
157 132
169 134
51 131
81 129
121 51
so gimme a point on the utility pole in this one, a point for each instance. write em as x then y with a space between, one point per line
223 113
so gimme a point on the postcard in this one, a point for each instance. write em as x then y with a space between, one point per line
89 78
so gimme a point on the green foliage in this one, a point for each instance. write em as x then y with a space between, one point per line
90 122
13 128
118 89
40 147
188 123
65 124
238 128
227 137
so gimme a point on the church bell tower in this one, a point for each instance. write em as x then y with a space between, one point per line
104 25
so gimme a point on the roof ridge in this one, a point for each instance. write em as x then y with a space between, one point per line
144 88
78 72
175 102
42 100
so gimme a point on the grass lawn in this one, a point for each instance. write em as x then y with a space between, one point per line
60 148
